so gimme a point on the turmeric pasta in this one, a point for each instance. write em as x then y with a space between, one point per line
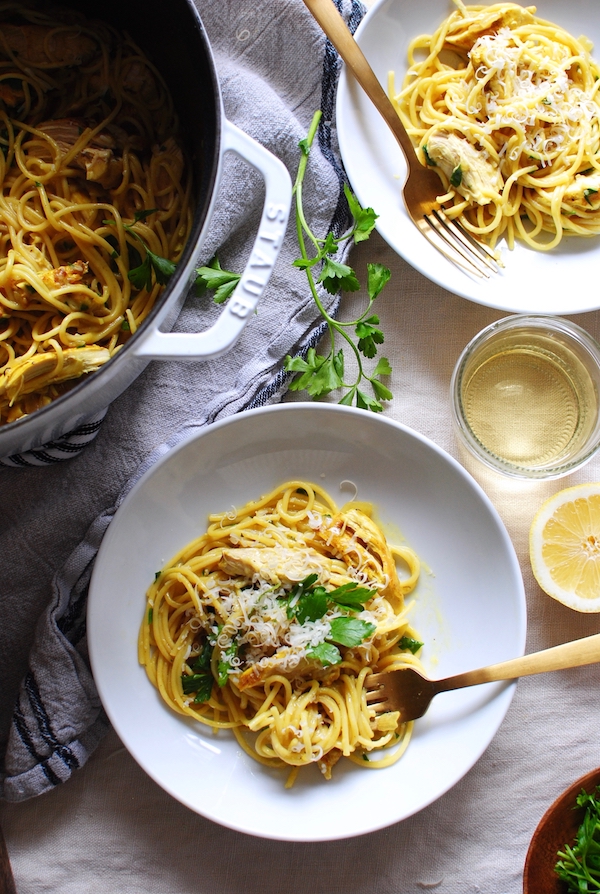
506 106
94 185
268 624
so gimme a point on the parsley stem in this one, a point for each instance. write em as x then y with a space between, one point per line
302 229
301 224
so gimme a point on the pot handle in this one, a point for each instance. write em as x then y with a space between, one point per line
221 336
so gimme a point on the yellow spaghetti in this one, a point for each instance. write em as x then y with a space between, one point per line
94 186
507 108
268 624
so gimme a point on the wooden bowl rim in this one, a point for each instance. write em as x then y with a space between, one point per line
556 828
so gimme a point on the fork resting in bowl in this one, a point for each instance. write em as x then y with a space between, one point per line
410 692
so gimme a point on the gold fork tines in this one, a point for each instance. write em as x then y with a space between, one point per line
422 184
409 692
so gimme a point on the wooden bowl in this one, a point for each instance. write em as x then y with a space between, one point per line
557 827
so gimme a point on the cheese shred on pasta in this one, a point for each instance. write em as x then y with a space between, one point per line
506 107
268 624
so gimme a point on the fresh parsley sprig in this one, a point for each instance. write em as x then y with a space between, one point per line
320 374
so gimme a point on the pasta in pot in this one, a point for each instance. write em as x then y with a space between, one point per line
95 203
506 106
268 624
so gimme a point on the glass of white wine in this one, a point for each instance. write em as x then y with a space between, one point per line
526 396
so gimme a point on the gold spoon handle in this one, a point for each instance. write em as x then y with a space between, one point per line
337 31
574 654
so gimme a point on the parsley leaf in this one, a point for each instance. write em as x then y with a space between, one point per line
305 602
456 176
214 278
162 268
350 595
364 218
143 214
141 276
408 644
312 605
350 631
201 679
335 276
326 653
224 664
319 375
369 336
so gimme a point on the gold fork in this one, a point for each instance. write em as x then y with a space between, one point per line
410 693
422 184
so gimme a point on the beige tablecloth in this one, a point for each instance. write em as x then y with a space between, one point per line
112 829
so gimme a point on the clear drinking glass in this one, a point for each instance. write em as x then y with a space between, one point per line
525 396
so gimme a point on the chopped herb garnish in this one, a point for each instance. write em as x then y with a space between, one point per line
143 214
224 664
214 278
326 653
306 602
150 613
125 326
428 159
587 193
350 631
408 644
579 864
456 176
201 679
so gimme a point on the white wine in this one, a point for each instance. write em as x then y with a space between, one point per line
525 396
526 406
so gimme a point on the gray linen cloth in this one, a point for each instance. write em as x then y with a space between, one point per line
275 69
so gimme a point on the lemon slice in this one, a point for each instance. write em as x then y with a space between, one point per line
564 547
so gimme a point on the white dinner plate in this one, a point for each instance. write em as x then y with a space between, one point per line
562 281
470 611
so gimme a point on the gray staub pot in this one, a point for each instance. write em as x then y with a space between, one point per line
173 36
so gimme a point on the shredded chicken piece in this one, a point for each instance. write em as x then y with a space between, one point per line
99 159
139 80
41 45
279 663
355 536
9 95
328 762
480 180
26 375
496 19
276 565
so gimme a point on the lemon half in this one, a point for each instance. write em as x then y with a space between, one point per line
564 547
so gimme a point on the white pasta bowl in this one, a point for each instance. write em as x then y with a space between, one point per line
560 281
469 610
